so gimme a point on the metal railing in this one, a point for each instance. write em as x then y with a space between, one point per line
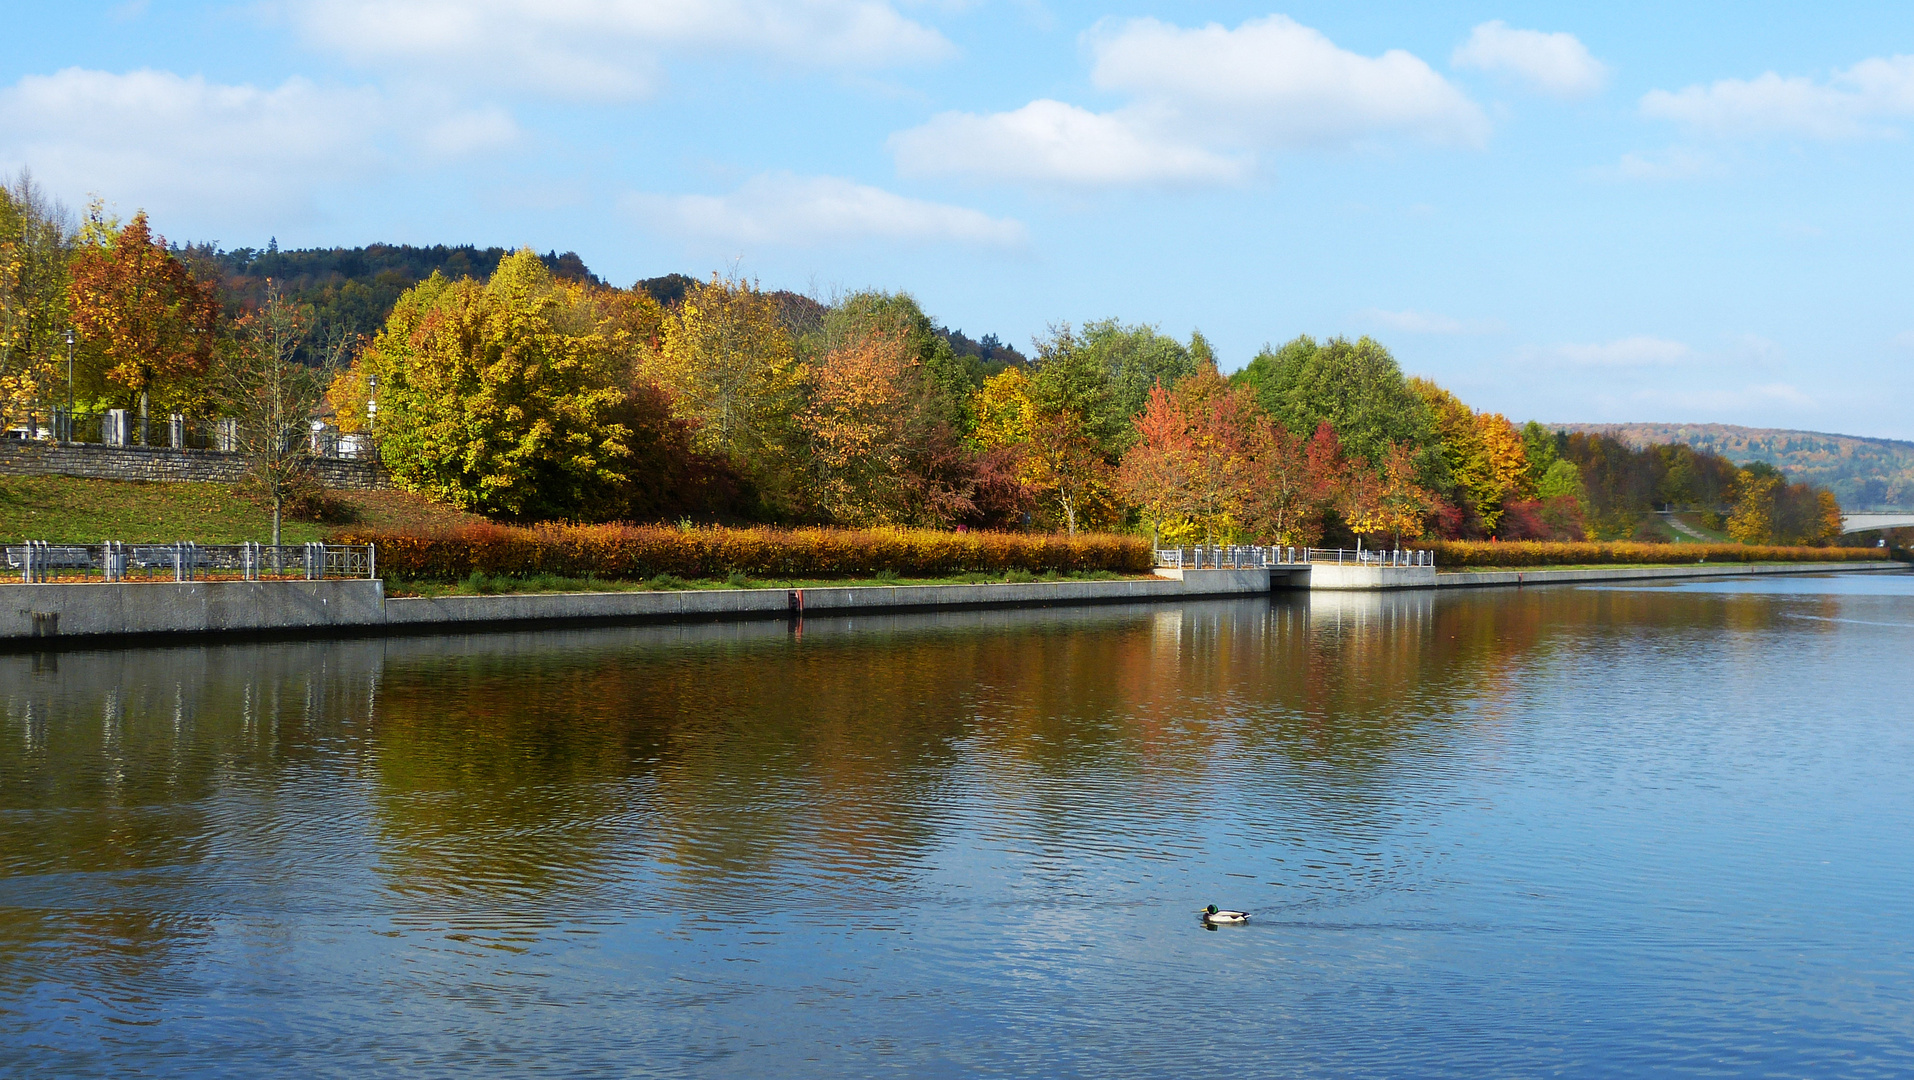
39 562
1367 557
171 432
1253 557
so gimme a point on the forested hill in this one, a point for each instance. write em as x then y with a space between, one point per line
1864 473
352 290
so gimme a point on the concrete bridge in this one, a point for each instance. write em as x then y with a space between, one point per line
1854 523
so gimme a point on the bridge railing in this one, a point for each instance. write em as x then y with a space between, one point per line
1370 557
38 562
1246 557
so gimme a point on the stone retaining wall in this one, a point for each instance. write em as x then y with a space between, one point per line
165 465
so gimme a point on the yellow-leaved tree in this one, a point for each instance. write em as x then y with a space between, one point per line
732 370
505 397
36 242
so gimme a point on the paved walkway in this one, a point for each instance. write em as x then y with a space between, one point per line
1685 529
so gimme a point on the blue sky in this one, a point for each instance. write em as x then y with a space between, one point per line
1565 212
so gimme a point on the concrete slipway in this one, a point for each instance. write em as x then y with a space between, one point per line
38 616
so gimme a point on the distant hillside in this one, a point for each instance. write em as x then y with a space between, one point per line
352 290
1865 474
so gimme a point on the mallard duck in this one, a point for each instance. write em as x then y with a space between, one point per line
1214 914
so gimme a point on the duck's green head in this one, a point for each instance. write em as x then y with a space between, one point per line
1211 910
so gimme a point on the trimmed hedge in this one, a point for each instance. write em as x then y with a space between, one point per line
635 553
1454 553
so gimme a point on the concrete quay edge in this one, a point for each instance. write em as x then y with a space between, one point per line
55 615
1472 579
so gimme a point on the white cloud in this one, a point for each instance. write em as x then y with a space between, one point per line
610 48
1556 64
156 139
785 210
1202 102
1275 82
1049 141
1675 163
1426 322
1852 104
1639 351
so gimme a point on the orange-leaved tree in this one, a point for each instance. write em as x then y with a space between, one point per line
144 310
857 425
1217 474
1153 471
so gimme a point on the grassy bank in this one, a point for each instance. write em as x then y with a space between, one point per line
77 510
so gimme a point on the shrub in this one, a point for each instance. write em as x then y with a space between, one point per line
1452 553
638 553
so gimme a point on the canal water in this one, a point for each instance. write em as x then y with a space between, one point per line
1599 831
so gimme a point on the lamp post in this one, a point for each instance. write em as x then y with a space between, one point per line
69 387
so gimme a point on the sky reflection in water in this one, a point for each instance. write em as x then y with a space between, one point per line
1585 831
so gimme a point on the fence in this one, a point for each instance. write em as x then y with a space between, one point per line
39 562
1242 557
120 427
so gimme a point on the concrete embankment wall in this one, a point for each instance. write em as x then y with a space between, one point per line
35 615
167 465
97 611
193 607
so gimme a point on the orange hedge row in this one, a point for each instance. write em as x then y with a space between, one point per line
638 552
1554 553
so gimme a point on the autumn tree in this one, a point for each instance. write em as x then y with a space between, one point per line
1153 472
1133 360
1358 388
1770 510
1217 474
1046 423
864 393
1393 504
271 396
505 397
153 321
36 242
733 371
1286 498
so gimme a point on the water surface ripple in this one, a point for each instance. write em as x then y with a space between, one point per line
1550 832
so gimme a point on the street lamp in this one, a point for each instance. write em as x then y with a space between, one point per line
69 386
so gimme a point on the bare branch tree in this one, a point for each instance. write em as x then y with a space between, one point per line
271 397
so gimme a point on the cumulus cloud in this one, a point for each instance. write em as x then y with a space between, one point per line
1858 102
782 209
1201 104
586 49
1426 322
1639 351
161 139
1556 64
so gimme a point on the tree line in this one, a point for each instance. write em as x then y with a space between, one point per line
535 391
